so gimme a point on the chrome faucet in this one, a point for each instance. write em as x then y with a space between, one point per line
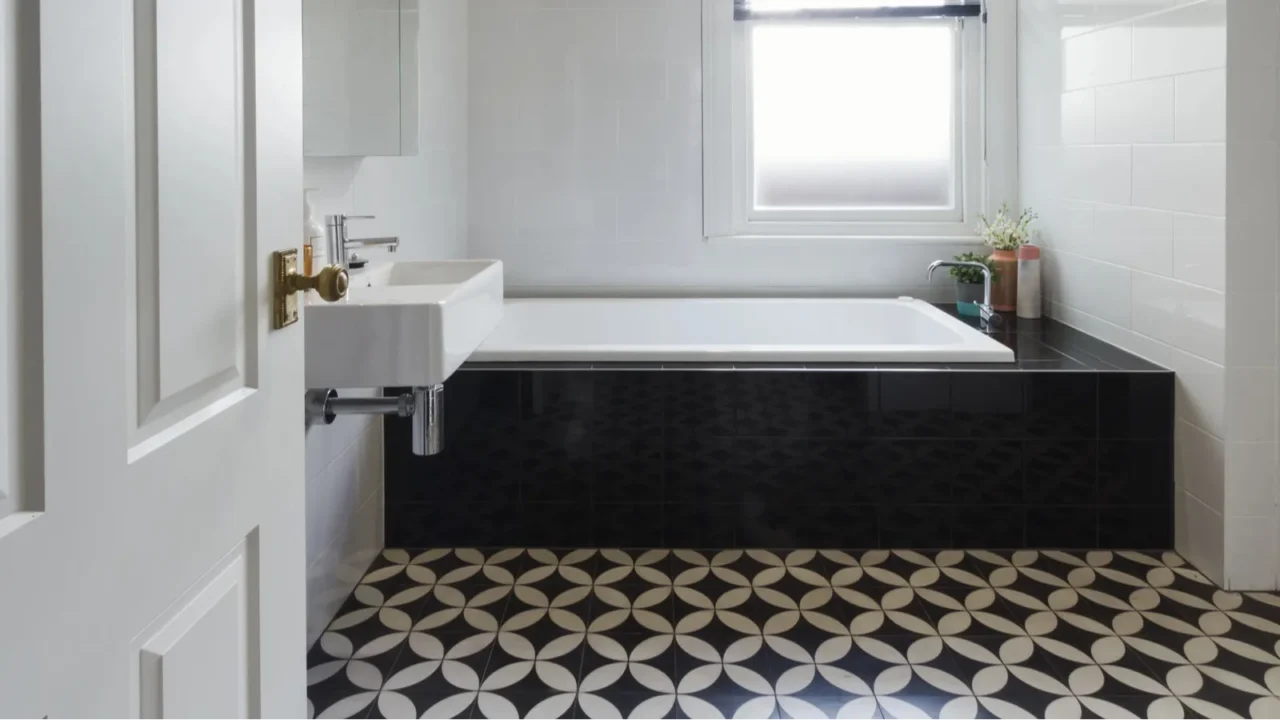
337 241
987 315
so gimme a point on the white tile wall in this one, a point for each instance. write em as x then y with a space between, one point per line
1098 288
1100 57
1137 233
1183 40
1137 238
344 510
1199 535
1135 112
1201 393
1253 467
1253 236
1200 250
423 200
1201 465
1193 93
1247 567
1183 316
1100 173
1079 110
586 162
1184 177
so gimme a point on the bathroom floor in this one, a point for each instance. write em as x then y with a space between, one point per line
799 633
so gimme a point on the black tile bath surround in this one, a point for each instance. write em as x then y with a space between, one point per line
1071 447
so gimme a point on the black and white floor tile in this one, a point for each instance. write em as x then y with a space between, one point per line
489 633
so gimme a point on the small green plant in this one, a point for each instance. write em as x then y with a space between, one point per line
972 275
1003 232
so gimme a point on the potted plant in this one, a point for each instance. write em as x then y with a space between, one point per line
1004 234
969 283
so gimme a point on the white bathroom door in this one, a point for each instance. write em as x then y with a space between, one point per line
157 565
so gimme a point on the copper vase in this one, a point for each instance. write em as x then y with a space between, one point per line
1004 291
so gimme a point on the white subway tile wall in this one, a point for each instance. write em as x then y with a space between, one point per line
1184 177
1136 235
1254 466
1253 235
344 511
1135 112
1201 392
1201 468
1200 250
1192 93
586 163
423 200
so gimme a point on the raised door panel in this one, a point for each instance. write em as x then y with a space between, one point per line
196 660
195 284
21 426
9 181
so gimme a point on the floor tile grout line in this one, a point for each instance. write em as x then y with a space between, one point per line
369 569
506 606
586 633
404 644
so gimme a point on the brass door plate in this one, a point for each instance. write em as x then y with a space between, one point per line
285 266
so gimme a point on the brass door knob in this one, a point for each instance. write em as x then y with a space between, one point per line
330 283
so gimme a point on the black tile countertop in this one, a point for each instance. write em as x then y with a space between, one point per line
1038 345
1047 344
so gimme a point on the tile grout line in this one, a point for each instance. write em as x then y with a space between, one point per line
373 704
586 633
506 606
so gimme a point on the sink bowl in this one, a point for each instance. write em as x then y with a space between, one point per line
403 324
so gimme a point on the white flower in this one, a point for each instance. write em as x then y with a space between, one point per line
1003 232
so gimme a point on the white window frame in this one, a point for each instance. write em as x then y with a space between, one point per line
986 139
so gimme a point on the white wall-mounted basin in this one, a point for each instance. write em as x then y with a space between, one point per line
403 324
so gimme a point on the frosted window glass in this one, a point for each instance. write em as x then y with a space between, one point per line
853 117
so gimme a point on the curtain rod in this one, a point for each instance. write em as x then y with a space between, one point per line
740 12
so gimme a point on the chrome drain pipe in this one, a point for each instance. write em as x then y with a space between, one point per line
428 420
424 404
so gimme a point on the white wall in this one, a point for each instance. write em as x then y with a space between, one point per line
586 162
1252 543
422 199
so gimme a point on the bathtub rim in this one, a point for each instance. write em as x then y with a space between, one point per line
977 347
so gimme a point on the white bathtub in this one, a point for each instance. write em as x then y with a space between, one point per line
732 330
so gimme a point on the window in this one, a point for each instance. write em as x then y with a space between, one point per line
851 118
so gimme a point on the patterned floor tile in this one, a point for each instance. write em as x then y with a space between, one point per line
794 633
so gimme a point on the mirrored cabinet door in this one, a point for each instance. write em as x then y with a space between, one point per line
360 77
